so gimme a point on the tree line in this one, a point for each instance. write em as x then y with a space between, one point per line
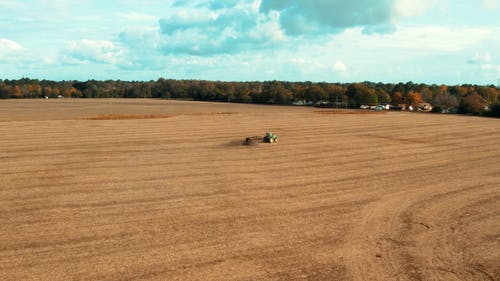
467 98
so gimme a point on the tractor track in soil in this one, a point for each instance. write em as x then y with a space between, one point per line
341 196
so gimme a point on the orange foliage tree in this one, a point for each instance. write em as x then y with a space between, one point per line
414 98
397 98
16 91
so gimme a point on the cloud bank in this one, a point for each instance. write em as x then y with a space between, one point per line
329 40
211 28
228 27
303 17
215 27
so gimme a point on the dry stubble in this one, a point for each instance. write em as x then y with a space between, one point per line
394 196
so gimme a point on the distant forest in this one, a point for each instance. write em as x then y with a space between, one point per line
468 99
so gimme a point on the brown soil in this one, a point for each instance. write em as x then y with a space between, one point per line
349 111
147 116
395 196
123 116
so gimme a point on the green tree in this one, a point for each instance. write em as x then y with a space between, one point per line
336 94
316 93
360 94
243 95
382 96
282 95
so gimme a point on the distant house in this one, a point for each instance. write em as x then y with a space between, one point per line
376 107
303 102
427 107
424 106
403 106
300 102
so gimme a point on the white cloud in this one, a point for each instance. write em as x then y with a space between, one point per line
339 66
268 29
10 50
491 5
411 8
213 28
141 48
141 38
86 50
485 65
7 45
306 17
427 54
209 27
18 61
137 17
421 39
481 58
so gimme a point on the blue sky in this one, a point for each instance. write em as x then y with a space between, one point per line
431 41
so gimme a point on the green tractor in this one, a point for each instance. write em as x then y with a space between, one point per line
270 138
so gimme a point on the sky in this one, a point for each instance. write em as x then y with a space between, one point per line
424 41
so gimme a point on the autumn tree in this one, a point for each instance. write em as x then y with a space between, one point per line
473 104
47 91
34 90
397 98
470 98
56 92
282 95
445 100
489 94
414 98
458 91
16 91
5 91
71 93
426 93
299 91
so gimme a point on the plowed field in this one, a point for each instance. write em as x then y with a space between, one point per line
164 190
